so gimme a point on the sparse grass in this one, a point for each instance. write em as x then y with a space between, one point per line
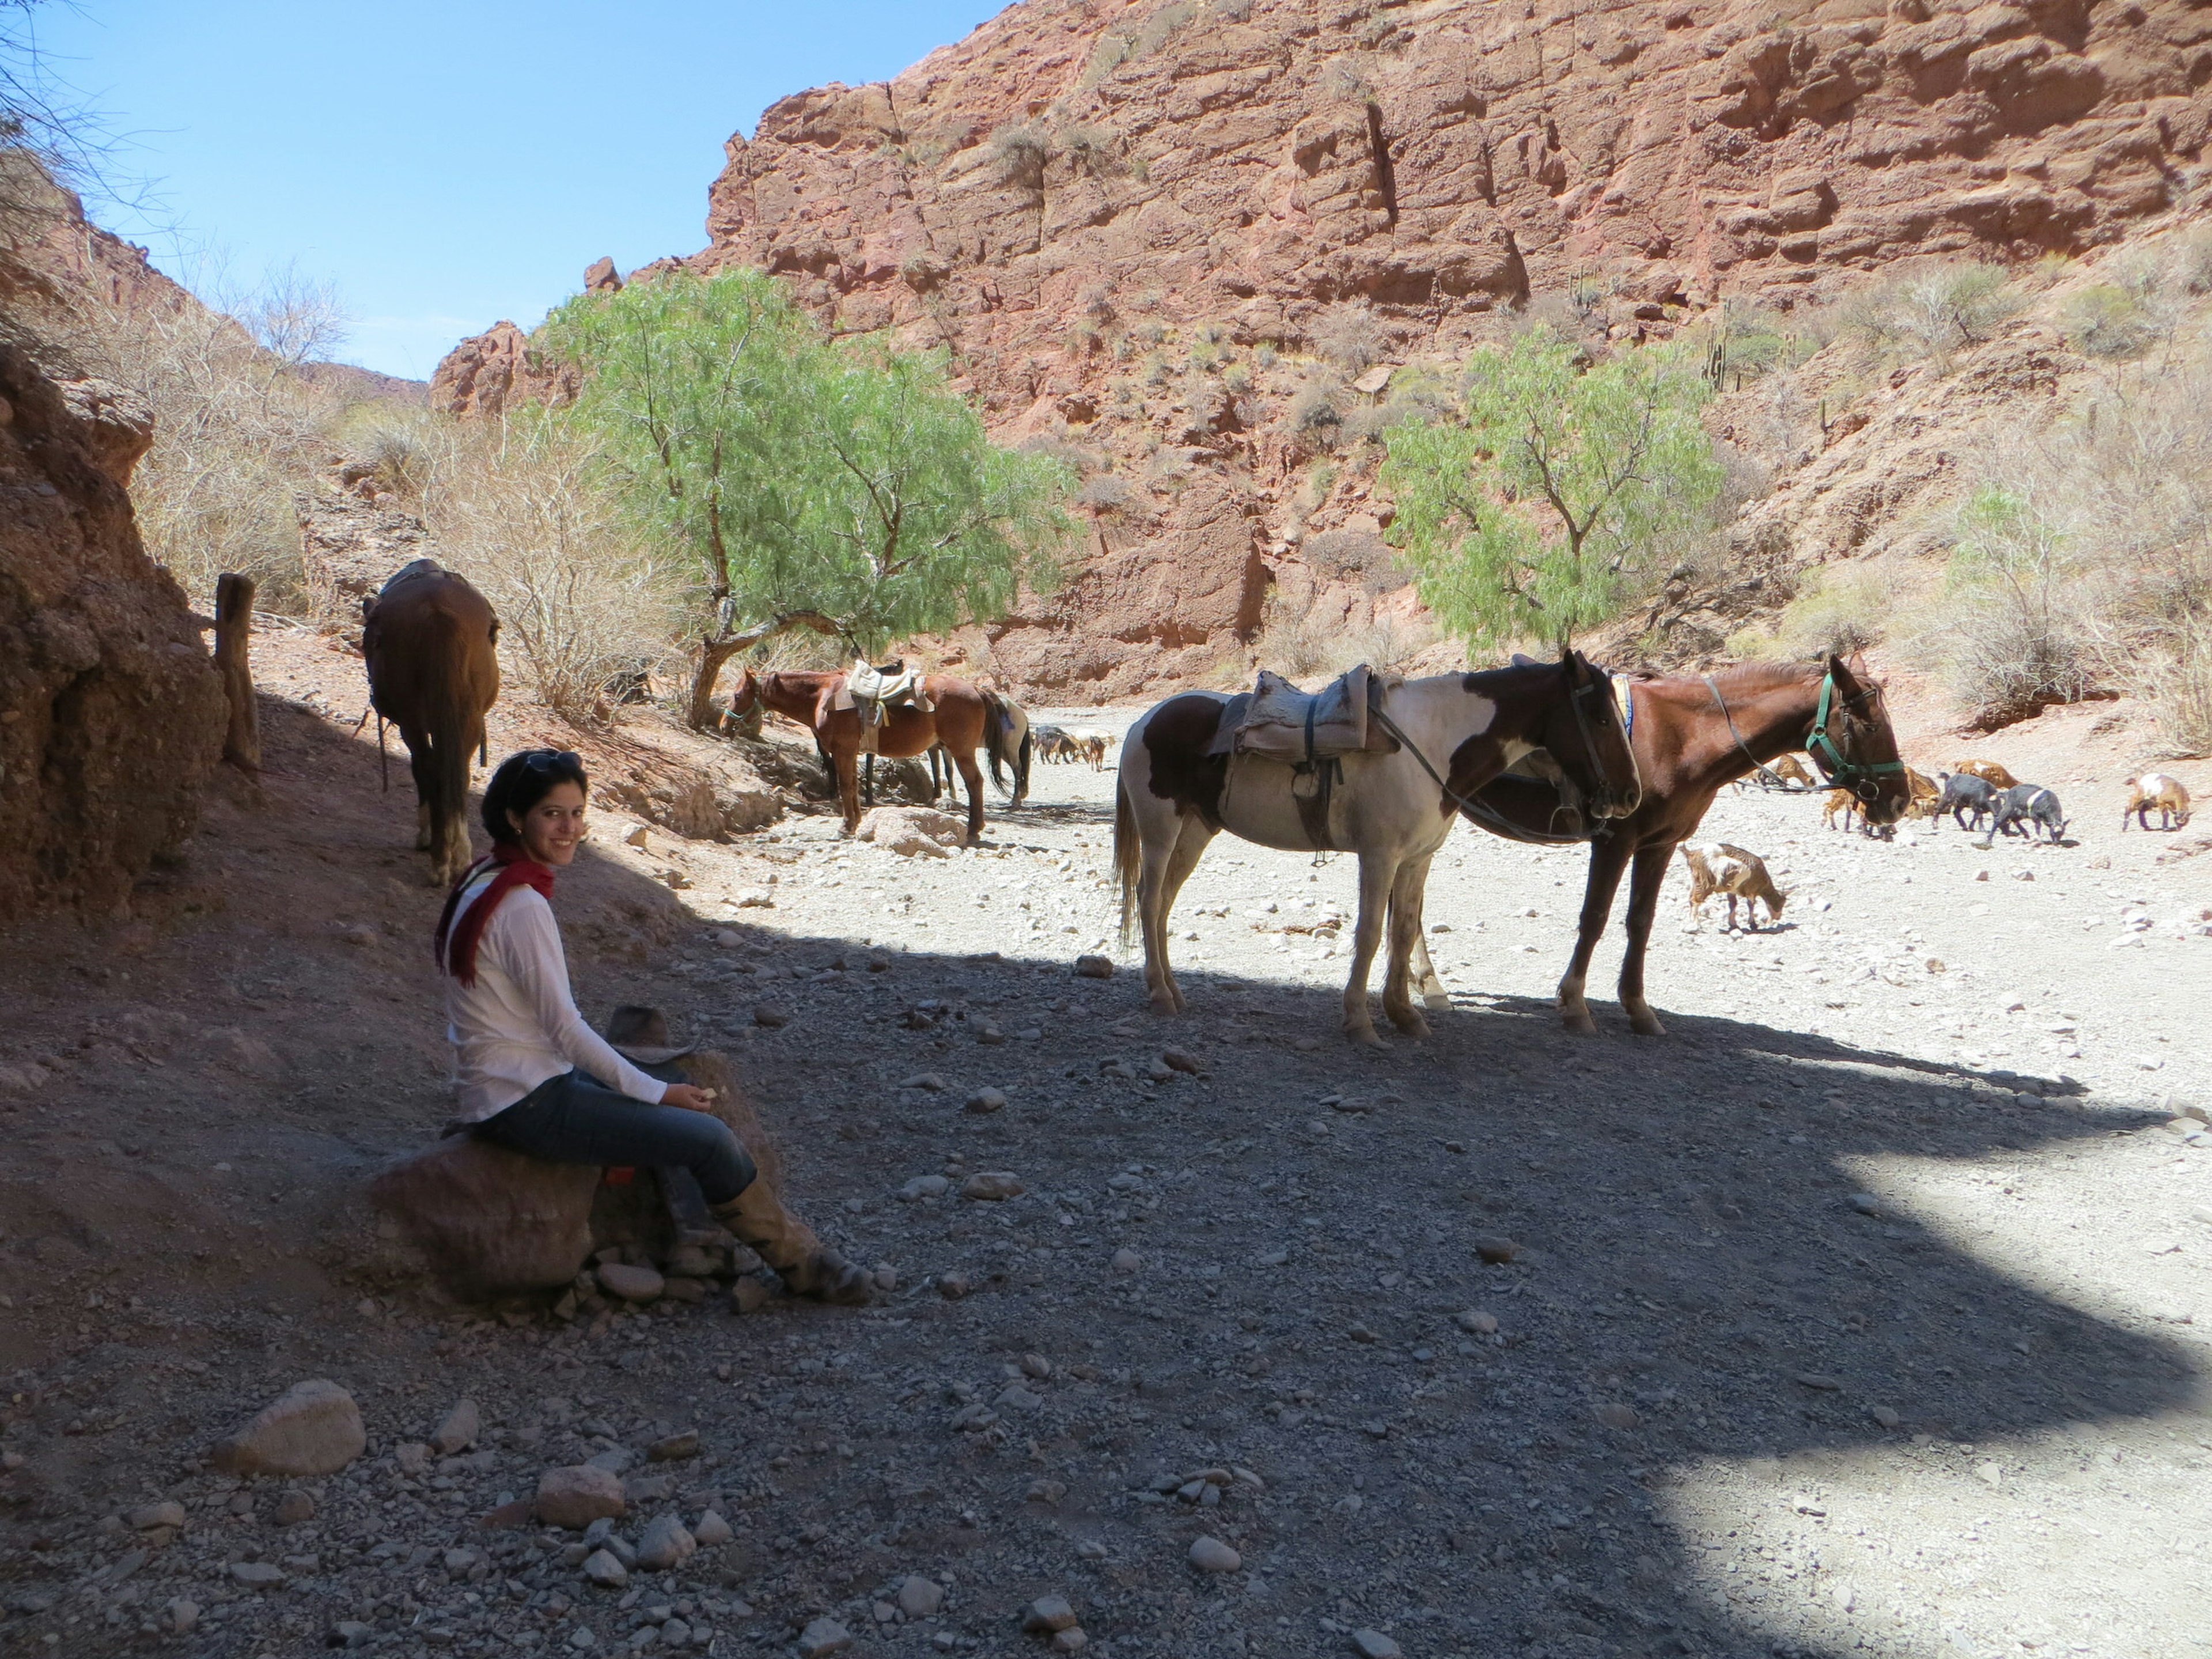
2107 320
1018 153
1845 611
1306 641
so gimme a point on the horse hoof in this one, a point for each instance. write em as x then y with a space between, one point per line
1578 1021
1164 1003
1363 1034
1646 1024
1411 1023
1438 1002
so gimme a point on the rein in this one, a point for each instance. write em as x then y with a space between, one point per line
1480 813
1843 773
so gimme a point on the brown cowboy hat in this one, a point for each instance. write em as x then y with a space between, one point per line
640 1035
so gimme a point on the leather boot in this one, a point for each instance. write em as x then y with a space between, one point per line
807 1266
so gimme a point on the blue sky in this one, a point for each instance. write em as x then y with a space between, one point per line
449 162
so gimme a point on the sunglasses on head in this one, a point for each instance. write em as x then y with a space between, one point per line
552 760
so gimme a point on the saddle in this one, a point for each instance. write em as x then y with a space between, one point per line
1308 732
869 689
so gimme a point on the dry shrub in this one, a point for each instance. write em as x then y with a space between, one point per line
1307 642
1843 612
1929 313
1349 336
237 430
520 506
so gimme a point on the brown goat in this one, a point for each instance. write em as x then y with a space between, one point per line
1989 771
1717 868
2161 790
428 640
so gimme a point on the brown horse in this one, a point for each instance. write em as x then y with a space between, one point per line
1691 737
959 722
427 638
1451 733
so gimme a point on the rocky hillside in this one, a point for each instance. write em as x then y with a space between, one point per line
1190 242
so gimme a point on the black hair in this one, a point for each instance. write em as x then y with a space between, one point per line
523 779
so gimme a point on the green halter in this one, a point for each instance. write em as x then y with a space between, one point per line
1857 776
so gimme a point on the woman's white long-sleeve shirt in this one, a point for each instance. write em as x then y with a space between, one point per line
517 1025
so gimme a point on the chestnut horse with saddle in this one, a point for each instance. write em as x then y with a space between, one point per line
1372 765
1691 736
959 719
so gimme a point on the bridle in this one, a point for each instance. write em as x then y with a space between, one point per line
1862 778
1601 684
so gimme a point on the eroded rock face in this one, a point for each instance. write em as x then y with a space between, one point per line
496 371
112 713
1083 199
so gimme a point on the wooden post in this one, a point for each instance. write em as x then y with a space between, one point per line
234 630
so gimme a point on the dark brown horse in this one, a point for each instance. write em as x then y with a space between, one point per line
428 641
1451 733
1691 737
959 722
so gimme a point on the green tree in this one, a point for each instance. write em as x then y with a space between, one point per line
802 484
1523 518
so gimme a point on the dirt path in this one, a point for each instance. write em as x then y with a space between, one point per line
1864 1312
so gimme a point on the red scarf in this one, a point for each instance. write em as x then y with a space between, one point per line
458 955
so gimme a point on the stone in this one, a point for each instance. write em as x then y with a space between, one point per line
992 1186
1496 1250
1476 1322
1374 1645
1070 1640
671 1447
167 1513
1178 1059
1048 1613
295 1508
712 1531
487 1222
349 1633
952 1286
749 1295
256 1574
1615 1415
929 1080
631 1284
919 1597
667 1543
769 1017
1866 1203
824 1636
457 1433
583 1637
921 1186
1036 1365
603 1569
578 1495
1091 966
459 1562
312 1428
1209 1554
1990 1472
181 1613
1819 1382
680 1289
985 1100
1885 1415
1125 1261
413 1457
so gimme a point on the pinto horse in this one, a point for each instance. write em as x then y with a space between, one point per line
959 722
1454 733
1691 737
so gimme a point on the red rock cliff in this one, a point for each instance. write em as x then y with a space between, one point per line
1129 222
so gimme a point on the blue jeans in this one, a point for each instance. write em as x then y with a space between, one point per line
576 1119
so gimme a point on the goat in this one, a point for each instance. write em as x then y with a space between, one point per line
1924 794
2024 808
2160 789
1835 801
1717 868
1989 772
1053 745
1092 746
1965 795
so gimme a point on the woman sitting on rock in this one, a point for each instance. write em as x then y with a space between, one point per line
535 1079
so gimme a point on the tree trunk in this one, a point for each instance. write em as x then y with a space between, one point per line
713 656
234 630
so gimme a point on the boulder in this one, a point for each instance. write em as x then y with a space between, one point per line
489 1222
458 1431
912 830
666 1544
311 1428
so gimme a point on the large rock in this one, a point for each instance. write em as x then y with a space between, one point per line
311 1428
1143 239
489 1222
354 536
112 713
499 370
580 1494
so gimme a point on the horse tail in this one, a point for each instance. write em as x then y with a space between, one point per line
995 725
1128 856
450 749
1021 769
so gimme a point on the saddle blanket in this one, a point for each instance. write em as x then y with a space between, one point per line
869 688
1278 721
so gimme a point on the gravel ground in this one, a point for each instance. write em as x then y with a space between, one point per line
1865 1312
